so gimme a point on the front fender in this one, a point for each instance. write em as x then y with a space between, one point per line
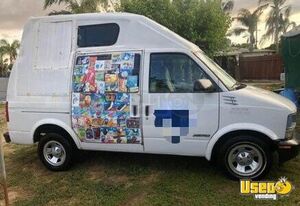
237 127
58 123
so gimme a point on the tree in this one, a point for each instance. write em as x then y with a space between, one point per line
227 5
274 23
3 63
286 24
80 6
10 49
159 10
249 23
205 23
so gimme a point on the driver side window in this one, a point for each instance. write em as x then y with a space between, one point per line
173 73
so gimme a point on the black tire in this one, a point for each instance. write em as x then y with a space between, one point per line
232 163
65 146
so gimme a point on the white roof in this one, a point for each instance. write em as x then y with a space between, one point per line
136 31
294 32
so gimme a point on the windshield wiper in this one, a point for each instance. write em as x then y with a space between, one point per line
241 86
238 86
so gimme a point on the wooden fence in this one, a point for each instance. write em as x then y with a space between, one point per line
260 67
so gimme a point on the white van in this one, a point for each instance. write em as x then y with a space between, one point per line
122 82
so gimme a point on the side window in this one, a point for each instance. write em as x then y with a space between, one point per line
98 35
173 73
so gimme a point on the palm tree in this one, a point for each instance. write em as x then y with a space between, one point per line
61 12
227 5
286 24
10 49
80 6
249 24
274 20
3 63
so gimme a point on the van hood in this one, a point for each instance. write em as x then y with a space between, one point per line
253 96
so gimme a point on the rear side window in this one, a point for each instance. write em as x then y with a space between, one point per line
98 35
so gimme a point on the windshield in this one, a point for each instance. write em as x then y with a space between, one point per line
222 75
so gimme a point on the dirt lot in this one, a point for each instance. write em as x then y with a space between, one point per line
103 178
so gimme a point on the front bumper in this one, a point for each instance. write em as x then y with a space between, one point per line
7 137
288 149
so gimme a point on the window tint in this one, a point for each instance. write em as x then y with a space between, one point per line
173 73
98 35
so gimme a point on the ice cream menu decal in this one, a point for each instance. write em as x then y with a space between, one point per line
101 96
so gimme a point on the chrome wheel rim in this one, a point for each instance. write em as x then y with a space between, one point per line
54 153
245 160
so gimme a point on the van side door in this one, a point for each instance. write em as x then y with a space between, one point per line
106 100
176 118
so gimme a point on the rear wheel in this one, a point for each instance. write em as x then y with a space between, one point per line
245 157
55 152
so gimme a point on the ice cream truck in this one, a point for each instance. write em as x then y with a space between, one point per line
121 82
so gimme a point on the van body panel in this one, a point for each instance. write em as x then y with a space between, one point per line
113 147
237 127
201 112
20 137
252 109
63 122
251 106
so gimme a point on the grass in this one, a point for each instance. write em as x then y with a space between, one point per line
104 178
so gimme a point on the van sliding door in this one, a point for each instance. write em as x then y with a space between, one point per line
106 100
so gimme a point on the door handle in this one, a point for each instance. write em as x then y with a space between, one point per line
134 107
147 110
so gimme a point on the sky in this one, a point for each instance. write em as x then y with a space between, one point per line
14 14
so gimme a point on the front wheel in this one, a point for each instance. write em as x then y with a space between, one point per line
55 152
245 157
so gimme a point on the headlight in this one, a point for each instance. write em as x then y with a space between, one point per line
291 121
290 126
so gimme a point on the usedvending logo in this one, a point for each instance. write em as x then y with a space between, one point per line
266 190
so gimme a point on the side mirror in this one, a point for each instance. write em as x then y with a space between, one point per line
203 85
